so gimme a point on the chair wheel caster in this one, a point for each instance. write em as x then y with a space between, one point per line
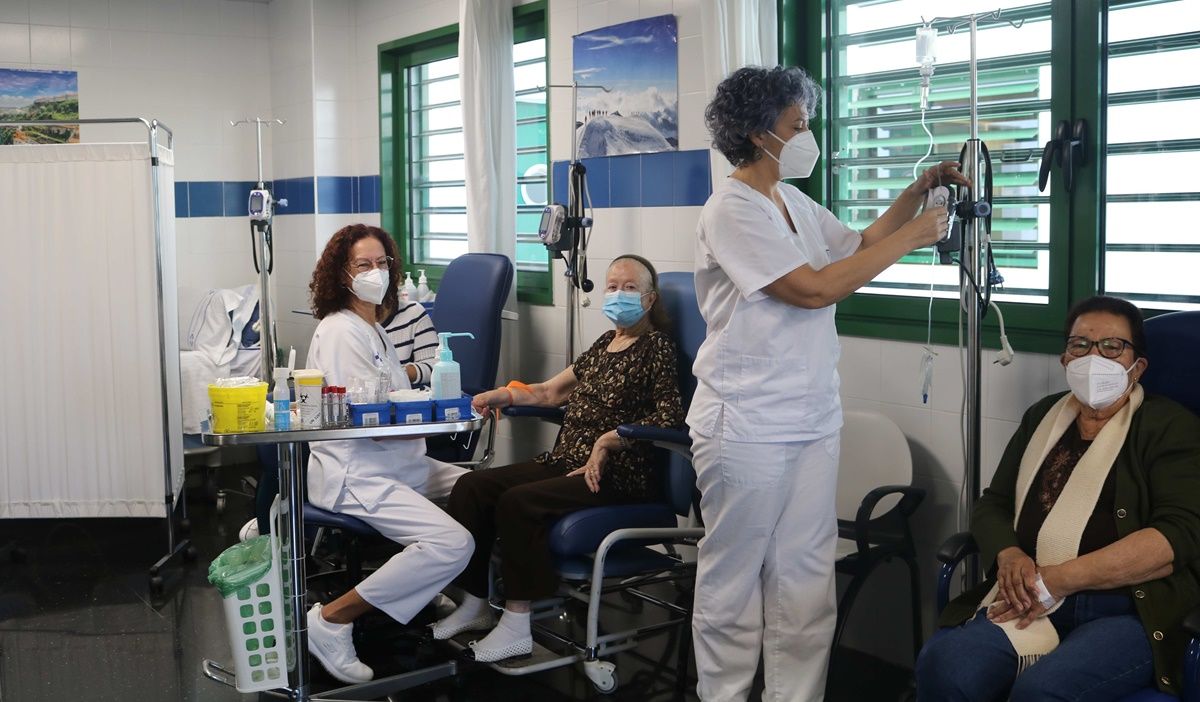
189 554
156 585
602 674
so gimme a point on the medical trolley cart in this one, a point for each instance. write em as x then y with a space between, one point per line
291 545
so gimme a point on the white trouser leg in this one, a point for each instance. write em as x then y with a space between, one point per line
799 600
441 480
740 507
436 549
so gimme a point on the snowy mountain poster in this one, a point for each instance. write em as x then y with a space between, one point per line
638 62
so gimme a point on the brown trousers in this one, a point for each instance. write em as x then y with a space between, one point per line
518 504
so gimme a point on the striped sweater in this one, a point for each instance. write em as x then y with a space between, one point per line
411 331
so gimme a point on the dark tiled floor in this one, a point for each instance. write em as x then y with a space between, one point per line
77 621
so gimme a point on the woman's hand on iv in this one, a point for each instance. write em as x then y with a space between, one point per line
492 400
945 173
1016 575
926 229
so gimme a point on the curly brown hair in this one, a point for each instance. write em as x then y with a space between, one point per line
330 289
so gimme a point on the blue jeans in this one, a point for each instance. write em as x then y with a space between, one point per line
1103 654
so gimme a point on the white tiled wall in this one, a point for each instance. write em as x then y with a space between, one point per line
183 63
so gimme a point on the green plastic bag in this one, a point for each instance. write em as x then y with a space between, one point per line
240 565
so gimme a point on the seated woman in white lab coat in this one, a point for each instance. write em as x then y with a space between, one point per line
387 483
628 376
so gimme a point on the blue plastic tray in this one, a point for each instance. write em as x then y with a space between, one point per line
372 414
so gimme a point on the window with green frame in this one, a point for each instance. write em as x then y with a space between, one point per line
424 202
1051 247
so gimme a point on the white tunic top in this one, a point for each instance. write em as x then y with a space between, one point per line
769 367
345 347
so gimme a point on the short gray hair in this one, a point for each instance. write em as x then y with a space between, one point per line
750 101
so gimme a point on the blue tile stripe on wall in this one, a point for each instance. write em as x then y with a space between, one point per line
334 195
666 179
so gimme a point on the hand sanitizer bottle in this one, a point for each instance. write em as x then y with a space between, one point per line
446 380
409 293
422 288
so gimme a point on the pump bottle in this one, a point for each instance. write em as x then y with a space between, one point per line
422 288
409 291
446 380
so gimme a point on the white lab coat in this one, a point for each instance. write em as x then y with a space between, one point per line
386 483
764 424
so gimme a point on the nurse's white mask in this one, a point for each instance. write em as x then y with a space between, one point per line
798 156
1096 381
370 286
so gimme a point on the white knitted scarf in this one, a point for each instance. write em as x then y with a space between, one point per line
1058 539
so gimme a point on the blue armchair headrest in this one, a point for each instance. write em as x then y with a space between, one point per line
470 298
679 297
1171 342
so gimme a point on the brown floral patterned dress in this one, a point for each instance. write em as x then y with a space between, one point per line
637 385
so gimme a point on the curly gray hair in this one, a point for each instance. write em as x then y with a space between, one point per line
750 101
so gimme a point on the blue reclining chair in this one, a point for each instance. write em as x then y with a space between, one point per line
470 298
1172 340
617 542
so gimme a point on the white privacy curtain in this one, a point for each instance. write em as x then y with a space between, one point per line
86 432
485 54
745 33
489 124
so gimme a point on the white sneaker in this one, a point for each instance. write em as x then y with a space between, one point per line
249 530
333 645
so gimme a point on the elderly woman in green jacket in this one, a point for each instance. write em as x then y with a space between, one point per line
1092 522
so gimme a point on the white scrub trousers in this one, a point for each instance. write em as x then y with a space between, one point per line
765 576
436 548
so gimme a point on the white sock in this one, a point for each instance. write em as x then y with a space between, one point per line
512 629
469 610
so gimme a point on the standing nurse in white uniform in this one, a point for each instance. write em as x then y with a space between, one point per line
765 420
387 483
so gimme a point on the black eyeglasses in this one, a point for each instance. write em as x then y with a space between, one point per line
1112 347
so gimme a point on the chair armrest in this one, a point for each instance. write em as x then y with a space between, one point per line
864 522
1191 658
677 441
553 414
661 435
957 547
1191 623
954 550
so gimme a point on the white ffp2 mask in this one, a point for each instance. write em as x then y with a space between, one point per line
370 286
798 156
1097 381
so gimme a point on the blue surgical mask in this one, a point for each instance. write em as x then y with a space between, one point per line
623 307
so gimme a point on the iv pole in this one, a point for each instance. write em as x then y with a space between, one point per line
575 211
261 212
975 209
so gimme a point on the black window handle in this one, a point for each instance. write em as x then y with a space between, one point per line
1052 154
1067 149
